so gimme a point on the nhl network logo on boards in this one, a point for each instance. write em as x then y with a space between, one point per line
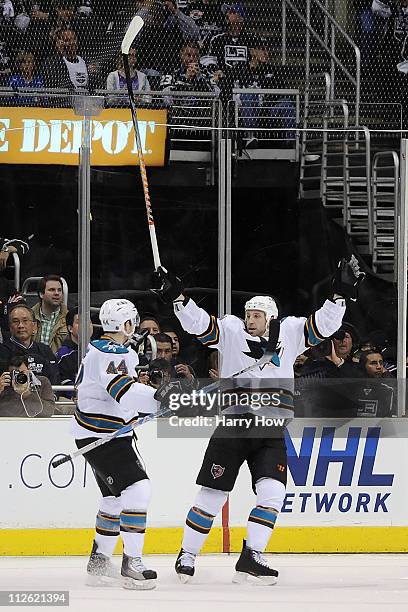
331 481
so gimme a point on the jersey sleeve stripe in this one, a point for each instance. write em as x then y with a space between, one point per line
211 334
117 383
124 389
312 334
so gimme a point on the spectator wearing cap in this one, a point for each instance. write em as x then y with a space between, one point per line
344 340
208 16
50 312
41 359
230 50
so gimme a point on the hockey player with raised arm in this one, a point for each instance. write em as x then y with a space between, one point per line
110 397
241 344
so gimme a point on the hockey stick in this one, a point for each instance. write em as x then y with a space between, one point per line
112 436
135 26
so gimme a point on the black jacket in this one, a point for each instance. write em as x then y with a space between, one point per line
67 360
41 359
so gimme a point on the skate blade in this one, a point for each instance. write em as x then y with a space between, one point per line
242 578
138 585
102 581
184 578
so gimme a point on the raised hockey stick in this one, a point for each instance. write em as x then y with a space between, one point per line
135 26
112 436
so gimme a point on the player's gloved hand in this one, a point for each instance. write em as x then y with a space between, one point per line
347 278
168 393
171 286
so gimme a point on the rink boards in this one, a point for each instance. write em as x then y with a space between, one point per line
347 489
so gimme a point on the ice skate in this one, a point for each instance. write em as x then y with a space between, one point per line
185 565
135 574
252 563
100 570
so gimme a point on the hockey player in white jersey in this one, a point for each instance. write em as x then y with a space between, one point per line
110 397
240 345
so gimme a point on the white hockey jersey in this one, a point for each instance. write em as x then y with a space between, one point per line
108 394
238 349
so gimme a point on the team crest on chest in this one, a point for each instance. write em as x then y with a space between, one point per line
217 471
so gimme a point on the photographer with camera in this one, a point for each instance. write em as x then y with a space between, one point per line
22 393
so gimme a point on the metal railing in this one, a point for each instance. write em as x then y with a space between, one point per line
385 186
328 41
264 115
357 202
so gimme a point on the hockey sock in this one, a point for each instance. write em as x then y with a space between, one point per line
132 531
198 525
261 521
107 532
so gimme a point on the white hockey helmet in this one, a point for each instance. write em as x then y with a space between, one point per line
114 314
265 304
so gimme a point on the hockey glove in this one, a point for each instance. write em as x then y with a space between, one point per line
348 278
168 394
171 286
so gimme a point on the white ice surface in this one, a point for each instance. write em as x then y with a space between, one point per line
306 583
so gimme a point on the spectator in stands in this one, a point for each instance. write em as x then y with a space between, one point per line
344 340
158 45
23 394
261 110
41 359
150 323
140 82
164 347
25 75
393 47
65 68
50 312
230 50
372 364
165 351
170 331
190 76
68 355
208 16
9 295
375 398
321 390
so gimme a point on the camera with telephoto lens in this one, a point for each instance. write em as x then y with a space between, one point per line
156 377
19 378
324 349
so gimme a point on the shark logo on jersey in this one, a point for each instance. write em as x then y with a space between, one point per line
257 350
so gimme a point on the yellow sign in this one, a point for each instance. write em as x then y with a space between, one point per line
53 136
